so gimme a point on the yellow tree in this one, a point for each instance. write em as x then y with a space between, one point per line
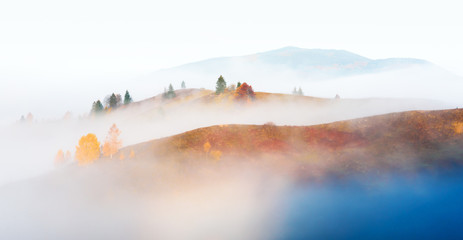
112 142
59 158
216 154
132 154
207 147
88 149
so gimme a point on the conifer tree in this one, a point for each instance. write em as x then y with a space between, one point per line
170 93
127 98
97 107
113 101
299 92
238 85
220 85
183 85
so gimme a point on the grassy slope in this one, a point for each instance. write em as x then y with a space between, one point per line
408 140
204 96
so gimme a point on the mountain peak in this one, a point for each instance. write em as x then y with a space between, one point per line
301 58
329 62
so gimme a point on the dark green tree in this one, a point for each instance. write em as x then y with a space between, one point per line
113 101
183 85
93 107
220 85
170 93
238 85
127 97
97 107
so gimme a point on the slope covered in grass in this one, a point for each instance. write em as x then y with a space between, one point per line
403 141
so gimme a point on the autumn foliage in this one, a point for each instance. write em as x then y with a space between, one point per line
59 158
112 142
216 154
207 147
62 158
88 149
244 93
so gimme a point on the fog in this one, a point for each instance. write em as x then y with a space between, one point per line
142 200
155 199
29 148
51 97
58 57
421 81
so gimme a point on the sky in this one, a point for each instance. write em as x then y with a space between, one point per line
64 43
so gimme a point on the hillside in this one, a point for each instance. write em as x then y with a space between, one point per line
157 117
403 141
197 108
198 97
319 72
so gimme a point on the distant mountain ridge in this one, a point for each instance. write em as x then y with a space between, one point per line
319 72
327 62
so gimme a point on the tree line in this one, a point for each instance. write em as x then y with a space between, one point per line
111 101
240 91
89 149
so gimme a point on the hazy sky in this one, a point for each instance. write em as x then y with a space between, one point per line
125 38
50 48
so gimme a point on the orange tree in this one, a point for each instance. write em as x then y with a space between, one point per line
207 147
244 92
112 142
59 158
88 149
